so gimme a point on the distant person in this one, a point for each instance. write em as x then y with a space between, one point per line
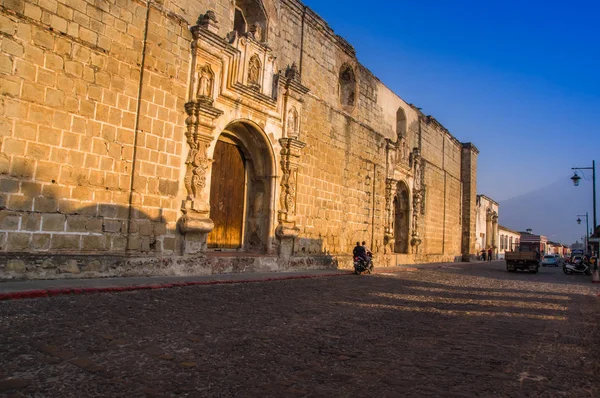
483 254
490 254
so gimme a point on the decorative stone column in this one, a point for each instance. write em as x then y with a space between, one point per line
291 147
418 191
287 229
488 229
195 223
388 232
495 234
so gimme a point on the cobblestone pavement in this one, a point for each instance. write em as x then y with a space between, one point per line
445 331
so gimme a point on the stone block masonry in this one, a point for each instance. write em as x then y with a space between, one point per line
110 113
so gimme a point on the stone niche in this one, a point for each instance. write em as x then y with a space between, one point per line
256 67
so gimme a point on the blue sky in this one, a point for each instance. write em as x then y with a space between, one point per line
519 79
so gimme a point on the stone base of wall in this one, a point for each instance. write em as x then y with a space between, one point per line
395 260
470 258
15 266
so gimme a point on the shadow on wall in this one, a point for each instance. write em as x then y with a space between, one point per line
35 218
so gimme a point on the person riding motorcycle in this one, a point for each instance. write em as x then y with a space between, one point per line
364 244
361 252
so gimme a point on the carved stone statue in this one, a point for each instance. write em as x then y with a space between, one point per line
205 83
254 71
292 123
255 31
204 19
403 157
232 36
292 72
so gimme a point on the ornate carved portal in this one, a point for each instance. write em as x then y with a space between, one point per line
200 125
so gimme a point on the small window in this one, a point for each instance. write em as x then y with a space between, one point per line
347 87
251 17
400 123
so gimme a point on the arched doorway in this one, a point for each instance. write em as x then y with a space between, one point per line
241 189
401 219
227 196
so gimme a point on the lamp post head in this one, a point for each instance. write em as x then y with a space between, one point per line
575 179
579 221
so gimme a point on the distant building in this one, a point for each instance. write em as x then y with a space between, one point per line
508 240
533 242
486 224
557 248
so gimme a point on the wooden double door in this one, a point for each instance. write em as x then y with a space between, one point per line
401 221
227 196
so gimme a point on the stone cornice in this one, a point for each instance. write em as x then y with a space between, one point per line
471 147
433 121
321 25
255 95
214 39
500 227
488 198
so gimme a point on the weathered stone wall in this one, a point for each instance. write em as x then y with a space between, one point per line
71 102
93 126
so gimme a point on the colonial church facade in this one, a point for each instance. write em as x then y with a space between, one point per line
173 137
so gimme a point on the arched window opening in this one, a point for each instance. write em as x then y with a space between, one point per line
239 22
347 84
254 17
400 123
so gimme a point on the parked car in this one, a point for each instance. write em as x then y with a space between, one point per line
560 259
549 260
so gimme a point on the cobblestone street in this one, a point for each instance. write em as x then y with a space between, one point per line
451 331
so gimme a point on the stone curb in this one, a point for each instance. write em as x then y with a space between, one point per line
27 294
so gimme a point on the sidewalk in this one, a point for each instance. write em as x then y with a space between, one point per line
42 288
11 290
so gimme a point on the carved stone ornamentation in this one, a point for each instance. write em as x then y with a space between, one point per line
292 72
403 156
389 197
290 154
292 123
206 81
254 67
416 164
255 32
196 209
207 21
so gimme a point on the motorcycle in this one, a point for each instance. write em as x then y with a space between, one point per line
361 265
577 267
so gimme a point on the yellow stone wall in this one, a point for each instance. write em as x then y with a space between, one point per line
92 125
70 85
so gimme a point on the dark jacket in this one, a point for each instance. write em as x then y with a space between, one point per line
359 251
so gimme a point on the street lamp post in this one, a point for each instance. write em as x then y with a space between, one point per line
587 230
576 179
